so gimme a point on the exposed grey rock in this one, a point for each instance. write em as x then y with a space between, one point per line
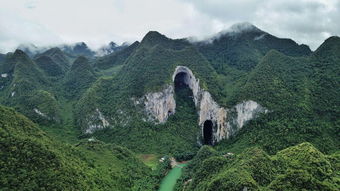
210 110
96 121
246 111
159 105
226 122
40 113
46 115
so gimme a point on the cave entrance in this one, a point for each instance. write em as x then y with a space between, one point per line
208 132
181 80
182 88
185 106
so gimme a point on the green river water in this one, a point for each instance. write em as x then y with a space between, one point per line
169 181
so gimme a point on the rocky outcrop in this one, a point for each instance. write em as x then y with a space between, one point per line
37 111
160 105
246 111
210 110
96 121
226 122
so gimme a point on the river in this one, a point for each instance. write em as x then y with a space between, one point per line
169 181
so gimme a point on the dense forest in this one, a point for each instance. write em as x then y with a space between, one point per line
69 119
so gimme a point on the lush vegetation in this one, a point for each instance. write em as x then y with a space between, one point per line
301 167
63 92
30 160
178 135
79 78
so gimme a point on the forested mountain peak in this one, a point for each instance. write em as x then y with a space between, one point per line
154 37
331 46
81 61
78 49
51 52
254 98
19 54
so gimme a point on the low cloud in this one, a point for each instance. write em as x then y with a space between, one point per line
306 21
98 22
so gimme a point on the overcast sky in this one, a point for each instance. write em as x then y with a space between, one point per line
97 22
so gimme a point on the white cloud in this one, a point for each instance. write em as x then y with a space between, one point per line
305 21
15 30
44 22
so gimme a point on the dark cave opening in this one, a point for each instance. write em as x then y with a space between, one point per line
207 132
181 80
182 89
185 106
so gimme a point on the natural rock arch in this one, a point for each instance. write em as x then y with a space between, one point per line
226 121
181 80
208 132
189 79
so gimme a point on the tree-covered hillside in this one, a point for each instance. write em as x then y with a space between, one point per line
302 94
301 167
73 99
31 160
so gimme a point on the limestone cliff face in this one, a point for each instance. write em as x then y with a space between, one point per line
210 110
226 122
96 121
159 105
246 111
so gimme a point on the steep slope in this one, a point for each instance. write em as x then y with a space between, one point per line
295 168
79 78
49 66
24 74
282 84
111 102
78 49
27 89
326 75
243 45
279 82
116 58
30 49
165 96
302 96
59 57
110 48
32 160
156 60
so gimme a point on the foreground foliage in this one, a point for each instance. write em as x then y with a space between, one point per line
301 167
30 160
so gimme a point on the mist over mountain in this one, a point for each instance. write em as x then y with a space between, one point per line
240 110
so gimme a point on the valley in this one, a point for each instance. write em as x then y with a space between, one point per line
245 111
